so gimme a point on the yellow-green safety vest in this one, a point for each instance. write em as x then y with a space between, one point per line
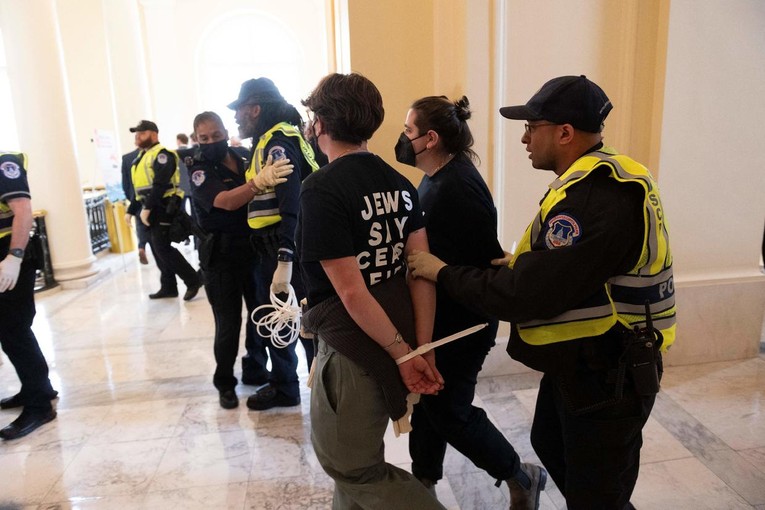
622 299
142 174
263 209
6 214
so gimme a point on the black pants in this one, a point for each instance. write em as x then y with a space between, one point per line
228 278
450 416
593 457
283 361
17 311
169 260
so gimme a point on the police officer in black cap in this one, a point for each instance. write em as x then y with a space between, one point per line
17 302
220 195
157 195
276 128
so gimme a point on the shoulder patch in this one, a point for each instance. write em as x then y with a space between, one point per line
277 152
198 177
162 158
10 170
562 230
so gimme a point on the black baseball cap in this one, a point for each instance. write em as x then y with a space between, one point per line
145 125
257 90
571 100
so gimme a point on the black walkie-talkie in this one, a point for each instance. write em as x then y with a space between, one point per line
643 354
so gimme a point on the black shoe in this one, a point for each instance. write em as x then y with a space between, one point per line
255 380
191 292
228 399
269 397
27 422
17 401
162 293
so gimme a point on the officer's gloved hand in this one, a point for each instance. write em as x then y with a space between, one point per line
9 272
145 216
273 173
280 283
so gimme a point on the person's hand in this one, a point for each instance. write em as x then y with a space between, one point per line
418 377
129 219
504 261
9 272
145 213
424 265
430 357
273 173
280 282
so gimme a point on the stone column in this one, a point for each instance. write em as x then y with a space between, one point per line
39 88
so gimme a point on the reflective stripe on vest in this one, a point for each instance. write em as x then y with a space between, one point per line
622 299
6 213
142 174
263 209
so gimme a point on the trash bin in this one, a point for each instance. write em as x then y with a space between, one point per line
39 242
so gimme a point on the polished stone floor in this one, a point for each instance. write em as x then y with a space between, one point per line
139 426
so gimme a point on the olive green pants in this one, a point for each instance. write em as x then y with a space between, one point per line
348 422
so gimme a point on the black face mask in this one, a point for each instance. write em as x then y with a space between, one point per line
405 151
215 151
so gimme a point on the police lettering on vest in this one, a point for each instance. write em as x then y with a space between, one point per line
622 299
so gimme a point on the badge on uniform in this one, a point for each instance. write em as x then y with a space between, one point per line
10 170
562 230
162 158
277 152
198 177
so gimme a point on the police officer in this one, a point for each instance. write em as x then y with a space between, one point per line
156 181
596 252
275 127
17 303
220 195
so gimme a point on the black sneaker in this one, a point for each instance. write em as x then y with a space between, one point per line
269 397
228 399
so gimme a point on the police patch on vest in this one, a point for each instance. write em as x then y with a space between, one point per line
10 170
277 152
162 158
198 177
562 230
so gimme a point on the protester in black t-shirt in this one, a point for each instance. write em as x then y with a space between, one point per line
461 221
358 220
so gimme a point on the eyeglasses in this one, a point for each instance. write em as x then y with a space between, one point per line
530 127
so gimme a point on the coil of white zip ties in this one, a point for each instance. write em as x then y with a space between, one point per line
282 324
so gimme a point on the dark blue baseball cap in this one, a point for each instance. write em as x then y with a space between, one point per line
257 91
571 100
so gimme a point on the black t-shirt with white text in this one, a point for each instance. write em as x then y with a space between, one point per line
357 206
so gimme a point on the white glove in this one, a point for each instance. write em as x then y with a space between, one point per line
145 216
129 219
280 283
9 272
273 173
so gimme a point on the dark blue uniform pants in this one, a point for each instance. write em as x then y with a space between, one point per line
229 277
169 260
17 311
593 457
450 416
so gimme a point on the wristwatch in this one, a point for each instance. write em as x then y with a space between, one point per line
17 252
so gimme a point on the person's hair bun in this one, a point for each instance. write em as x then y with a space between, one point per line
462 107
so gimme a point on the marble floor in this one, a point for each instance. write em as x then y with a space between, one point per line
139 426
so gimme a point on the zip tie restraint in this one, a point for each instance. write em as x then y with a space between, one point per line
432 345
282 325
